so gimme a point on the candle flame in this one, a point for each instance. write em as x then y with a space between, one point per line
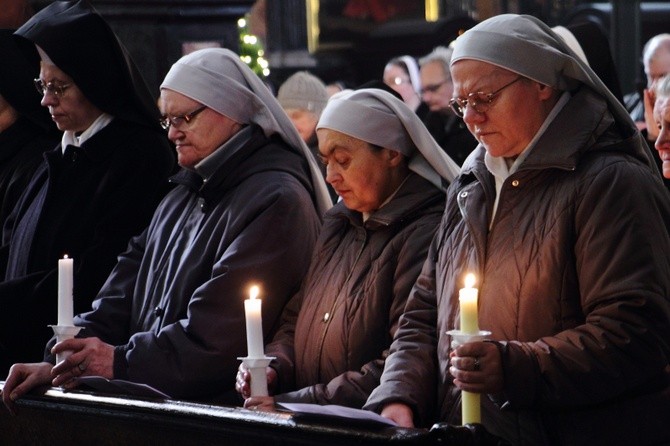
65 256
253 292
470 280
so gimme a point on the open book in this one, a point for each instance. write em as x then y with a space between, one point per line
331 411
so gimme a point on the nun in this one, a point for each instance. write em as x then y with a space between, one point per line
561 215
245 210
402 75
94 190
391 176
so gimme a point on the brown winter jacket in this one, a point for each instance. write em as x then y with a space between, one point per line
575 286
353 295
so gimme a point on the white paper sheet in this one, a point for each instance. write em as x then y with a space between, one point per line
333 410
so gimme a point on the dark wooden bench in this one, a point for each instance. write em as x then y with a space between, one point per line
84 418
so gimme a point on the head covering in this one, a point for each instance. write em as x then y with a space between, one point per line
79 42
217 78
571 41
526 46
378 84
303 91
379 118
408 63
20 65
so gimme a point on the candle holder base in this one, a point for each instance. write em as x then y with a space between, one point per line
459 337
62 333
258 380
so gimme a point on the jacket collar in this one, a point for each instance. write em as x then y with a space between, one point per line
92 150
257 154
415 194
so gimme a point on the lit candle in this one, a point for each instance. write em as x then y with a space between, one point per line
468 304
467 297
65 282
252 312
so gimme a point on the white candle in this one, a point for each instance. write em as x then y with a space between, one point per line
252 312
467 298
65 281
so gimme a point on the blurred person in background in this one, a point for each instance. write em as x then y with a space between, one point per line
402 75
303 97
436 91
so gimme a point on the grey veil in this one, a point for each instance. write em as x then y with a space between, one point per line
217 78
377 117
525 45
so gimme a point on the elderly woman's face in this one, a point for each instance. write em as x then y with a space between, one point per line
662 118
200 135
69 110
514 114
362 176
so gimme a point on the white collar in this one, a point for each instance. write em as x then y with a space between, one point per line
69 138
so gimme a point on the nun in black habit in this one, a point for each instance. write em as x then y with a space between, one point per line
26 130
95 190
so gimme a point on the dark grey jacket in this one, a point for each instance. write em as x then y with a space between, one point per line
86 203
574 284
333 351
173 305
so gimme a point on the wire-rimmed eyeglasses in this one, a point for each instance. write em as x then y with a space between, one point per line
176 121
480 102
58 90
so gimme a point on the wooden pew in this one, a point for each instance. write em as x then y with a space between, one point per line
85 418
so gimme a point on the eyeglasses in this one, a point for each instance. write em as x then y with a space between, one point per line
480 102
58 90
432 88
176 121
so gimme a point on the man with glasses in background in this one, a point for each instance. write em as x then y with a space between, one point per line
245 211
436 91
